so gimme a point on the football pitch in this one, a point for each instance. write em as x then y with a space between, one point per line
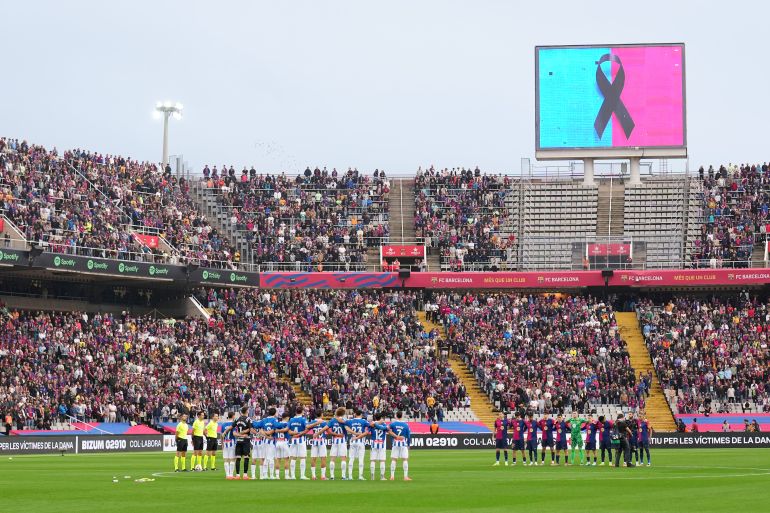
454 480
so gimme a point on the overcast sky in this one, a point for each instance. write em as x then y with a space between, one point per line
392 84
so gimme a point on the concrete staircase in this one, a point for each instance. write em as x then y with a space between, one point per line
434 260
609 209
373 262
401 219
207 204
196 309
758 256
303 397
658 411
430 326
401 211
15 238
639 253
480 404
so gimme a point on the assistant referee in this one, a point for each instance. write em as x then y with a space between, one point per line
181 443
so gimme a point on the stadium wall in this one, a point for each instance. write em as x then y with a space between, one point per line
17 260
55 262
182 307
519 280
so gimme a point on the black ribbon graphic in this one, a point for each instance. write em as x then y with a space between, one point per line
612 102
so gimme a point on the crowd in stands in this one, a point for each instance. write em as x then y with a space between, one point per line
46 199
462 213
357 348
96 205
60 366
366 349
352 348
736 202
156 199
317 221
711 355
545 352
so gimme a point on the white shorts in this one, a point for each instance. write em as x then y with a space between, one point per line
298 451
357 451
400 452
281 450
339 451
318 451
378 452
228 451
268 451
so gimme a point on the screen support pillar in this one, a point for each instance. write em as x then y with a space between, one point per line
588 172
635 171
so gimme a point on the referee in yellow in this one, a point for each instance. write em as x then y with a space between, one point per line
211 442
181 443
197 439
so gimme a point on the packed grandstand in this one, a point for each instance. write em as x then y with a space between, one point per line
443 354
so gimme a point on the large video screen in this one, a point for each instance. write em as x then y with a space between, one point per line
623 96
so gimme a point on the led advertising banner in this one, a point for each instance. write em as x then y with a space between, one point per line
130 269
79 444
611 101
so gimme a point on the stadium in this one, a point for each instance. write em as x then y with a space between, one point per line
344 324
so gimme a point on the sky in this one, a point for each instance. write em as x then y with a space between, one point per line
391 85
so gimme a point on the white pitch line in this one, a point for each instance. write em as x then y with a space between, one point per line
172 473
577 471
644 478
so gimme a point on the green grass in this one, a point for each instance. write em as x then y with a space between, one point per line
679 480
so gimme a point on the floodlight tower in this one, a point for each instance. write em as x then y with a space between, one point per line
167 109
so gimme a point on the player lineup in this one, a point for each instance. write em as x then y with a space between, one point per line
263 448
275 443
628 436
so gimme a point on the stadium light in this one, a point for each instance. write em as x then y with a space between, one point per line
167 109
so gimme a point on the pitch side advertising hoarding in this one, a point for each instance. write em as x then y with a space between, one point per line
79 444
130 269
83 444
